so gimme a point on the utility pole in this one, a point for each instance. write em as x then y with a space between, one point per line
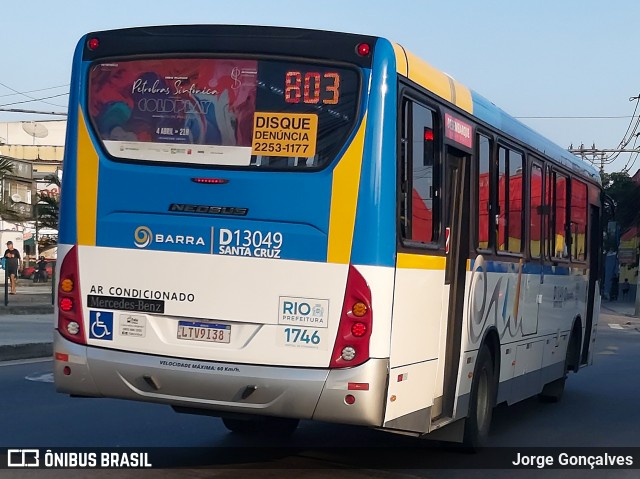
599 155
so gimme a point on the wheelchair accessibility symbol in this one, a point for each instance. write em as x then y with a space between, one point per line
101 325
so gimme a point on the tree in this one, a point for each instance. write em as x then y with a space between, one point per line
626 193
47 214
49 206
6 165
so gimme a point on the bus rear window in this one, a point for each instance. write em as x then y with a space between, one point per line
223 112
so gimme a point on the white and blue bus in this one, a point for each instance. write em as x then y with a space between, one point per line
274 224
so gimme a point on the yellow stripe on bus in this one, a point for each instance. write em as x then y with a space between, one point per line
431 78
420 261
344 200
401 60
463 96
87 186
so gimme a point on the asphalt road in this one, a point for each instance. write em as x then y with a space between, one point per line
601 408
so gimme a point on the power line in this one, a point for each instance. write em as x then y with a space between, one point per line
576 117
33 98
630 163
29 91
608 156
630 133
37 112
36 99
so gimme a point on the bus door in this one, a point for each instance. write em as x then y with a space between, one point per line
456 197
530 280
595 237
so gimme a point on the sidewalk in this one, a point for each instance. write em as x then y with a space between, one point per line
622 308
31 298
26 323
619 315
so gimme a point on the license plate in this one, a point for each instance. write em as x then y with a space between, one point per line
210 332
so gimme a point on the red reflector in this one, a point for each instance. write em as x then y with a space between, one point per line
62 357
349 399
358 386
363 49
359 329
69 318
347 343
210 181
66 304
93 44
66 370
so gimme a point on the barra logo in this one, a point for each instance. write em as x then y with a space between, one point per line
142 237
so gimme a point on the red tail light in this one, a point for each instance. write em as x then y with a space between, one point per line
93 44
210 181
354 332
70 323
363 49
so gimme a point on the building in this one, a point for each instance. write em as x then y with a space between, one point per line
36 149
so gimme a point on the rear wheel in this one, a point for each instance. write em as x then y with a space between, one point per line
263 426
482 400
552 392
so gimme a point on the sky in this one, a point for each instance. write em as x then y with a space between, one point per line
563 67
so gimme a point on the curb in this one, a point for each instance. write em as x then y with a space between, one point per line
12 352
26 309
26 283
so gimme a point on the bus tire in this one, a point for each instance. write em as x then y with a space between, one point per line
552 392
262 426
481 401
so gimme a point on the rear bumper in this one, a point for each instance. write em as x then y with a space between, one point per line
304 393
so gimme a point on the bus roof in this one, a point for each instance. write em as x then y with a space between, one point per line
468 100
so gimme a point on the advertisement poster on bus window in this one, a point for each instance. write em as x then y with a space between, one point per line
175 109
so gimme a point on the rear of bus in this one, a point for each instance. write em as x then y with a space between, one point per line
214 247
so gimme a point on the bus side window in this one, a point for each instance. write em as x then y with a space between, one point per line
535 216
419 206
578 219
516 175
404 182
501 223
509 218
549 215
484 191
560 237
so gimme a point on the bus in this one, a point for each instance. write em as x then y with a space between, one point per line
270 225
